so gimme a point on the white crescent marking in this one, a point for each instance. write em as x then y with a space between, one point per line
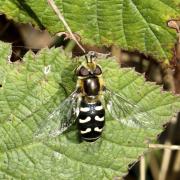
86 131
84 109
85 120
98 108
97 118
98 129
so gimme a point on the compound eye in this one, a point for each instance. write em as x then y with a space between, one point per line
83 71
98 70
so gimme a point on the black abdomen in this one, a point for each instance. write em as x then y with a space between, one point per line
91 121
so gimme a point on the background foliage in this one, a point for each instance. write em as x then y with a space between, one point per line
29 93
30 89
131 24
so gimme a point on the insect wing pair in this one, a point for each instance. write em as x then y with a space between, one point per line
87 104
66 113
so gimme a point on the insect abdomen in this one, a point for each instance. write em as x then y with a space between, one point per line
91 121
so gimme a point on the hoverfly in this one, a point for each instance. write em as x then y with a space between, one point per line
87 105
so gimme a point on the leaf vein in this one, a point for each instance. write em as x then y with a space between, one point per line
148 27
79 161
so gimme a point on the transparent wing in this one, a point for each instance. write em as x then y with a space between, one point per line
125 111
60 119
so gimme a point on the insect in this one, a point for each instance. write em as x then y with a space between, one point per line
87 105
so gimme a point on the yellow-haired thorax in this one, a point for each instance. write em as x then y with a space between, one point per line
90 65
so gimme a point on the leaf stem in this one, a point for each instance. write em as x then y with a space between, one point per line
60 16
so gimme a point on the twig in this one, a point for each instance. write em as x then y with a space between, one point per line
164 146
142 168
176 167
167 152
154 166
60 16
165 162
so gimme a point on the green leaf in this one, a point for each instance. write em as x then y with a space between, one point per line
33 88
131 24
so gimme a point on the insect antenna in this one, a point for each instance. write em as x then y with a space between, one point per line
86 57
91 56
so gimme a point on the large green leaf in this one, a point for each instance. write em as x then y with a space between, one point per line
131 24
32 89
